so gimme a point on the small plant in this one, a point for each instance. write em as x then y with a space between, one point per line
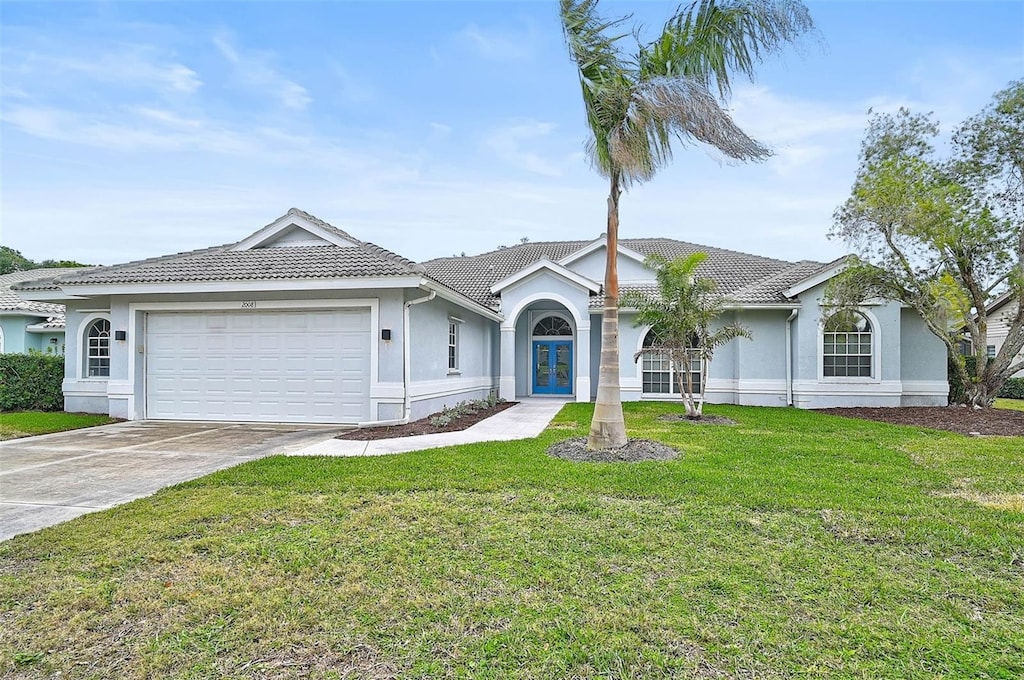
470 407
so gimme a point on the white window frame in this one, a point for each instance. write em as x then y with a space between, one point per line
454 333
876 354
674 391
85 349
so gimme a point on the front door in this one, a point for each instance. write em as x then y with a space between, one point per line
552 367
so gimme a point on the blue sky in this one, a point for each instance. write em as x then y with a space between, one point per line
137 129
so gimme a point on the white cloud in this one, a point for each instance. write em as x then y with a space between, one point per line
132 65
254 70
509 143
500 44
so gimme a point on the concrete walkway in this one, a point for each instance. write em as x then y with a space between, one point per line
526 419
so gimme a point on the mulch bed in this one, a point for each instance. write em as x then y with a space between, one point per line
986 421
635 451
423 425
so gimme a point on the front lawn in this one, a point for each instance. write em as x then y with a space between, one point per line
1012 404
27 423
793 544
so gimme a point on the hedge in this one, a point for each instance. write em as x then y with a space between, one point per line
31 382
1013 388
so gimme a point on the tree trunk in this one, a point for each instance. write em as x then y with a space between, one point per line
608 428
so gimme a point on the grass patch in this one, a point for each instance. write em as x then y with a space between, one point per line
27 423
1011 404
793 544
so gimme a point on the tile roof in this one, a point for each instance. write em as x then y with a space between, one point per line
221 263
11 302
746 278
749 279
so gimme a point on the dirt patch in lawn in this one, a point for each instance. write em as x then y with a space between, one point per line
424 426
635 451
986 421
703 420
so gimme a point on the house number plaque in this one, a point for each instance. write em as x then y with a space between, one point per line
248 304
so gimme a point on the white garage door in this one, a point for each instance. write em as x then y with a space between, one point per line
267 366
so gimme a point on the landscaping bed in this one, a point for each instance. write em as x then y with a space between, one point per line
429 425
987 421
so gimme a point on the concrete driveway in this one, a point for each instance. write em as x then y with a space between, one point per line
51 478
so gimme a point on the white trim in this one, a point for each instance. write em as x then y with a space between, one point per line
876 351
135 308
82 370
1 339
411 281
553 267
886 388
925 388
510 319
422 390
597 244
816 279
40 328
45 296
285 222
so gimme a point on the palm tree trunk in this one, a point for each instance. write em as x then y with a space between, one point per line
608 428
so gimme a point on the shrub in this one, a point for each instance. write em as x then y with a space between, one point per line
1013 388
31 382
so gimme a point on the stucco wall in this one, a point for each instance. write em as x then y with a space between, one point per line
592 265
14 332
433 385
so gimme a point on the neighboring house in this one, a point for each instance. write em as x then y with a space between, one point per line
1000 314
28 325
302 322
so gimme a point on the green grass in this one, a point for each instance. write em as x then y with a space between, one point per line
793 544
1012 404
27 423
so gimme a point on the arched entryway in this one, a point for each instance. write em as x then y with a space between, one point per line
551 354
545 347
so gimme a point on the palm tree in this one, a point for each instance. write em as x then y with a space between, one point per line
637 104
681 317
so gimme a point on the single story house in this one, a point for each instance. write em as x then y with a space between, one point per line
27 325
303 322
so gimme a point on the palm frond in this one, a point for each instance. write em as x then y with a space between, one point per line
663 110
605 75
708 40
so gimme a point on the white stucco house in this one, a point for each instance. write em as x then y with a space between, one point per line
303 322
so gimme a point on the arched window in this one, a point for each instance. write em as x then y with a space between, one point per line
848 346
552 326
659 375
97 349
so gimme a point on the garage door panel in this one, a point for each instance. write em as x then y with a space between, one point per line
263 366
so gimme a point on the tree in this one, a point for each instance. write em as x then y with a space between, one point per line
637 104
944 236
681 317
12 261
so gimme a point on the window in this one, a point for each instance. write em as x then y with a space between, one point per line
990 351
97 349
552 325
659 375
848 346
453 345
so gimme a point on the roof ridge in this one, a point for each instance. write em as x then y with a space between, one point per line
373 248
